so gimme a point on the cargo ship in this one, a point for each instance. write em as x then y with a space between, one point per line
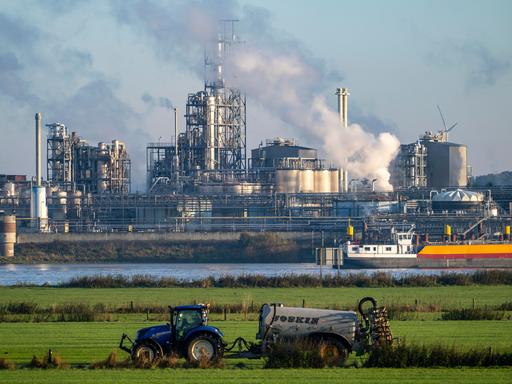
400 252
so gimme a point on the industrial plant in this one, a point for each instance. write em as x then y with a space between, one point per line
205 179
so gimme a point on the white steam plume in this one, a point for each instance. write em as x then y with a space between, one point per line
283 85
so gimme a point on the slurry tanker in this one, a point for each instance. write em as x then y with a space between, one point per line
335 333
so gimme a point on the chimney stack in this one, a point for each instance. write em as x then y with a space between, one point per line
38 149
343 105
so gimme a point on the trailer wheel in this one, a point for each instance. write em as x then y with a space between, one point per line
332 351
145 354
204 347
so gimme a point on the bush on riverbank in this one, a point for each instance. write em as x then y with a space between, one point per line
363 280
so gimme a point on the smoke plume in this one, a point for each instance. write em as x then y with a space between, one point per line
273 69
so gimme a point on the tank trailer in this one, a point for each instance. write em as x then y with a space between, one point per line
338 332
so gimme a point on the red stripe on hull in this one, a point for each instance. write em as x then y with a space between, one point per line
466 256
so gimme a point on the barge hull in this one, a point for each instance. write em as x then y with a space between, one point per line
380 263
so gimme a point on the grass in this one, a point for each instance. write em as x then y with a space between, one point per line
88 342
448 297
296 376
408 355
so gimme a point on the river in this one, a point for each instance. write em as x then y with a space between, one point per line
11 274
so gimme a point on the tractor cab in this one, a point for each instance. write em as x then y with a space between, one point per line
187 317
187 335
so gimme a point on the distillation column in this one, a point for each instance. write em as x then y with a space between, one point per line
38 208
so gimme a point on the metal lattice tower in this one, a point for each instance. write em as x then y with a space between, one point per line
59 155
215 136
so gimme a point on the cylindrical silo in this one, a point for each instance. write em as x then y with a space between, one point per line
287 181
7 235
345 181
60 201
10 189
322 181
307 181
74 205
334 175
38 209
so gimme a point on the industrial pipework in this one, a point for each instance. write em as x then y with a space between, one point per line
176 153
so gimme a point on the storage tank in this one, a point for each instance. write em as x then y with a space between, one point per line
247 188
344 181
75 205
10 189
234 189
457 200
307 181
446 164
334 176
287 181
7 234
322 181
38 209
296 322
59 202
256 188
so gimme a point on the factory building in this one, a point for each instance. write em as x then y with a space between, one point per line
409 167
202 178
212 150
73 164
290 168
431 162
446 165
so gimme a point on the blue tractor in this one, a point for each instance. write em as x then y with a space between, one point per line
186 335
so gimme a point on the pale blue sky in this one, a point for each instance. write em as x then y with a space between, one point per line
84 64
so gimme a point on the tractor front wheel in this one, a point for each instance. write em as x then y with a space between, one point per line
145 354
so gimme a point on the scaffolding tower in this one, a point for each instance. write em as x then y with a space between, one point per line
59 149
215 135
74 164
160 165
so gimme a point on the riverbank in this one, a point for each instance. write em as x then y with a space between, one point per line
163 248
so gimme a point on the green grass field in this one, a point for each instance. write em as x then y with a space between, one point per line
447 297
83 343
88 342
295 376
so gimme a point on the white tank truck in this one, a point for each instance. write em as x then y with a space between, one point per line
338 332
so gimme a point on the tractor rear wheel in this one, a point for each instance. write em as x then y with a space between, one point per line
332 351
204 348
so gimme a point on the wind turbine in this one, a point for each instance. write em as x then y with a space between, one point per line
446 130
